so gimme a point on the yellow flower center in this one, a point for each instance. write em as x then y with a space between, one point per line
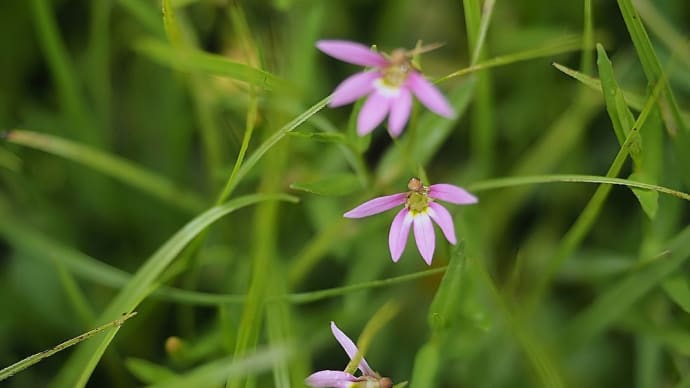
417 202
396 73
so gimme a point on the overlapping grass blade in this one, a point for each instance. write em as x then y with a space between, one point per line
187 59
78 369
620 297
114 166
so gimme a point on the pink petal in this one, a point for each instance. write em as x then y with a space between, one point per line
400 229
353 88
351 349
373 112
429 95
377 205
424 235
351 52
400 112
330 378
452 194
439 214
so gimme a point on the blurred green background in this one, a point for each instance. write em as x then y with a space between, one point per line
119 130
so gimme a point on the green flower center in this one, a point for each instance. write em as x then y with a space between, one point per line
417 202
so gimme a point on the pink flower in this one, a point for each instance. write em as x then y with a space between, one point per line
389 83
420 209
340 379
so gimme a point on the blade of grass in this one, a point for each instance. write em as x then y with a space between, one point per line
255 157
63 72
621 296
76 372
186 59
38 357
482 128
215 372
585 220
674 40
111 165
9 160
633 100
621 117
651 65
587 59
560 46
493 184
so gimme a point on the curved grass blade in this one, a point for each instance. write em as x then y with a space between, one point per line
215 372
186 59
114 166
499 183
78 369
38 357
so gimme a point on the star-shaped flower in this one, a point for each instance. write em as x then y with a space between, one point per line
390 82
340 379
419 210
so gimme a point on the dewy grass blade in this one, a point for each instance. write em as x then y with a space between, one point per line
38 357
78 369
111 165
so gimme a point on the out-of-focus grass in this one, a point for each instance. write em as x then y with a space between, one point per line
127 139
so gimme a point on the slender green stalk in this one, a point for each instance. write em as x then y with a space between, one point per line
376 323
38 357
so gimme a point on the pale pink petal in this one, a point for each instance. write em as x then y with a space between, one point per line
429 95
439 214
424 236
373 112
352 52
330 378
400 229
400 112
452 194
377 205
353 88
350 349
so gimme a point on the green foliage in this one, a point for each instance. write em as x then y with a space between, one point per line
152 154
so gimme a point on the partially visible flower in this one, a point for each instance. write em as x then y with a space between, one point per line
340 379
389 83
420 208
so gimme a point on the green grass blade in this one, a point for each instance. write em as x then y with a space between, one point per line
191 60
213 373
620 297
78 369
255 157
9 160
652 67
621 117
38 357
586 62
336 184
633 100
67 82
678 289
560 46
111 165
499 183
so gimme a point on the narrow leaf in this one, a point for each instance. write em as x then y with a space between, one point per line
340 184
